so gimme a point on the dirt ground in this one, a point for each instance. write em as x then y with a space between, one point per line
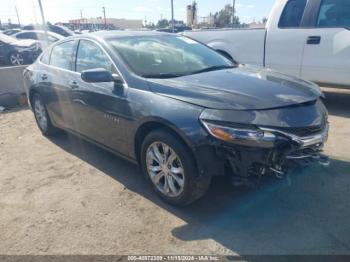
65 196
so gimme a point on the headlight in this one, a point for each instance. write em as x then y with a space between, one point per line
253 137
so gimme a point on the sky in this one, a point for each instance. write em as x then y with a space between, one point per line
153 10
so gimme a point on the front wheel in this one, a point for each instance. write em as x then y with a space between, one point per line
16 59
171 169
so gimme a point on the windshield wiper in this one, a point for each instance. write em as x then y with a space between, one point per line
162 75
212 68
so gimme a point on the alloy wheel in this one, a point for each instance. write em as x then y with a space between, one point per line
40 114
16 59
165 169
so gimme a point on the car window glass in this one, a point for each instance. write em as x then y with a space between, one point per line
27 36
334 13
292 14
164 55
62 54
91 56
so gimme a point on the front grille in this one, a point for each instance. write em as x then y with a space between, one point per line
303 131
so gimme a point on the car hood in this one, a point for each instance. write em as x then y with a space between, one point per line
241 88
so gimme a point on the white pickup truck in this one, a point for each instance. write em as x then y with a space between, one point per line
304 38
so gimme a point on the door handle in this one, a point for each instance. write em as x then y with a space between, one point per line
313 40
73 84
44 77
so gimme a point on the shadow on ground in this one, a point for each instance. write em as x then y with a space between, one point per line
308 213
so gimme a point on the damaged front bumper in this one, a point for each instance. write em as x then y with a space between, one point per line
243 163
265 142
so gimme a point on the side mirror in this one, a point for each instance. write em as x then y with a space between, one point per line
117 80
99 75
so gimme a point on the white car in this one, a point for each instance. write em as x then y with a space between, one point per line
308 39
39 35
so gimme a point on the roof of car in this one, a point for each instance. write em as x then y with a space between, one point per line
117 34
42 32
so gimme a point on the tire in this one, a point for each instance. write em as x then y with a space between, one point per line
173 187
16 59
42 117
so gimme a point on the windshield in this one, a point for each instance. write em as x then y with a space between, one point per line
167 56
6 39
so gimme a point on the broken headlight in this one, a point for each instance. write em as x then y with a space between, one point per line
253 137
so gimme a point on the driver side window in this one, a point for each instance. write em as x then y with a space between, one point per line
91 56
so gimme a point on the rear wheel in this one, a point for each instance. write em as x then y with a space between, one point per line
171 169
41 116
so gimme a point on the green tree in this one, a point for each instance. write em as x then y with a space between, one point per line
163 23
223 18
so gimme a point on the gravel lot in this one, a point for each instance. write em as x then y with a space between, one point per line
65 196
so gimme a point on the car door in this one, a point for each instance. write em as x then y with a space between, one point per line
58 79
103 106
327 45
285 39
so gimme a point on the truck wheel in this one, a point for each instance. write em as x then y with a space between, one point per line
42 118
16 59
171 169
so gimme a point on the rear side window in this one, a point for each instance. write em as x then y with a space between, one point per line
292 14
62 55
334 14
91 56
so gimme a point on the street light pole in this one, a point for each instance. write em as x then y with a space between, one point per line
172 16
104 15
19 23
233 12
43 21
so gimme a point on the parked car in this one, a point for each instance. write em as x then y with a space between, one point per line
18 52
39 36
61 30
308 39
13 31
178 108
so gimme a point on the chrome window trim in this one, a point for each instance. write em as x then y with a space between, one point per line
74 72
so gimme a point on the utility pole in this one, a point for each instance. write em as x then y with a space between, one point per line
172 16
34 12
43 21
233 12
19 22
104 15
